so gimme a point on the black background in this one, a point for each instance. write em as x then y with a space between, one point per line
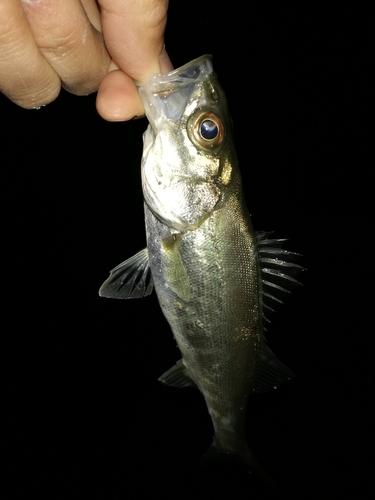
84 413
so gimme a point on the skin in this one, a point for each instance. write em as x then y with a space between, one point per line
83 46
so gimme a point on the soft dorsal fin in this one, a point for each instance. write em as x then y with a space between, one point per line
129 280
272 372
278 270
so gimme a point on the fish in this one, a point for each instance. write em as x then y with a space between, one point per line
216 279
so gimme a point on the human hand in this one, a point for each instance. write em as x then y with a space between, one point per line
84 46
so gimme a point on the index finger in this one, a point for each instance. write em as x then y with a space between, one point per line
25 75
134 34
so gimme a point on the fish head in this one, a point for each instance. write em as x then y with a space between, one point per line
188 155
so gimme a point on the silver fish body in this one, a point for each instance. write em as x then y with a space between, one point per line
212 306
207 264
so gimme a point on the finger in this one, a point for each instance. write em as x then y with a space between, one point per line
118 98
134 34
68 41
25 76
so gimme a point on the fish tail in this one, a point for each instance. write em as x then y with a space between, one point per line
245 460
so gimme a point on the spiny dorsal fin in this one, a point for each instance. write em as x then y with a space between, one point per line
278 270
129 280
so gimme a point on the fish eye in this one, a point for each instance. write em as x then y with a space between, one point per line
206 129
209 130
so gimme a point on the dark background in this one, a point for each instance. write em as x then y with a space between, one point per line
84 413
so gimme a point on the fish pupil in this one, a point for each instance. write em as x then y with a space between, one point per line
209 129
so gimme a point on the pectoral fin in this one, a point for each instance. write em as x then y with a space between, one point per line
130 279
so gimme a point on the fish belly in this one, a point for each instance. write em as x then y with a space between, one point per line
208 284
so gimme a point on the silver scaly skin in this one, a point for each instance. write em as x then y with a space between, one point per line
205 258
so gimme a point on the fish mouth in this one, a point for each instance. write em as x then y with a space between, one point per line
165 96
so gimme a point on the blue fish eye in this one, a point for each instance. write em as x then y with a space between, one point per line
209 129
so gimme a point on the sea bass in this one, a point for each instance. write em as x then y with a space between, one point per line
214 277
